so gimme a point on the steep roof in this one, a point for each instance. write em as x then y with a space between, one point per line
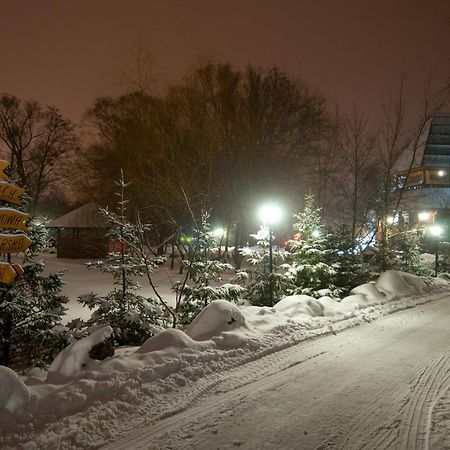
437 146
433 145
86 216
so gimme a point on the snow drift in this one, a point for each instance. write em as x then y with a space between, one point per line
222 336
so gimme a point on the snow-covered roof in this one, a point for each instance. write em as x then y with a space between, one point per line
86 216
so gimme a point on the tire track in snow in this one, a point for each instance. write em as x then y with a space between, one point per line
431 385
266 369
362 433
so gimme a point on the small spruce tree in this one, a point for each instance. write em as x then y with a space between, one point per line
257 279
203 279
134 318
352 270
310 271
31 308
409 254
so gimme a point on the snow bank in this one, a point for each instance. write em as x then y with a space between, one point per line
399 283
74 358
296 306
14 394
217 317
78 391
370 291
171 338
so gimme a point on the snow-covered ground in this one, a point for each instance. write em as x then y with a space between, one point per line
79 280
254 378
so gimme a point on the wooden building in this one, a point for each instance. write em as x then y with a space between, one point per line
425 187
81 233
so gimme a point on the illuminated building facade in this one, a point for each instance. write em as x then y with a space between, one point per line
425 188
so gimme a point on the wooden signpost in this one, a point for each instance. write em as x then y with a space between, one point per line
3 166
10 219
14 243
13 220
10 193
9 272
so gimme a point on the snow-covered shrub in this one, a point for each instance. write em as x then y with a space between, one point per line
71 361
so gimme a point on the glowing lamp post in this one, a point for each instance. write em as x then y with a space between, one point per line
270 214
436 232
218 233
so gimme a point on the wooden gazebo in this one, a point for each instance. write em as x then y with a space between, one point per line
81 233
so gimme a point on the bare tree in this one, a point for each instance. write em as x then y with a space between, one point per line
358 164
37 142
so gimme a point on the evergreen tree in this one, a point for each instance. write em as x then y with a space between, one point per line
408 256
133 317
310 271
31 309
203 283
258 280
352 271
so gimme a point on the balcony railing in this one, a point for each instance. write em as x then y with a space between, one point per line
422 177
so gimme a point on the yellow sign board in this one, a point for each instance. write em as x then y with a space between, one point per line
13 220
3 165
14 243
9 272
10 193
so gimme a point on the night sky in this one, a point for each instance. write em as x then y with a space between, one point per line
68 52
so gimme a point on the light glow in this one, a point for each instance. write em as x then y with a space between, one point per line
270 214
424 216
441 173
391 220
218 232
435 230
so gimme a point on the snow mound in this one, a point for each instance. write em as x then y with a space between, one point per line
14 394
356 301
217 317
398 283
71 361
370 291
171 338
444 276
331 307
297 305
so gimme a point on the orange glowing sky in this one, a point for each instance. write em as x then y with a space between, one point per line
67 52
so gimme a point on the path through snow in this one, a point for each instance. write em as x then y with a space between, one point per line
369 387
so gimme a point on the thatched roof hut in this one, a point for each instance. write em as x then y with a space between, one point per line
81 233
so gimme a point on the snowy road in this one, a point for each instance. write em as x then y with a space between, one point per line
369 387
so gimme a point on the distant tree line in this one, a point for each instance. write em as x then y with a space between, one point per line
224 138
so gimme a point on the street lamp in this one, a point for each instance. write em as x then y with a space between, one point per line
436 232
270 214
218 233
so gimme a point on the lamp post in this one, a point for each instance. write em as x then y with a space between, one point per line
270 214
436 232
219 234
